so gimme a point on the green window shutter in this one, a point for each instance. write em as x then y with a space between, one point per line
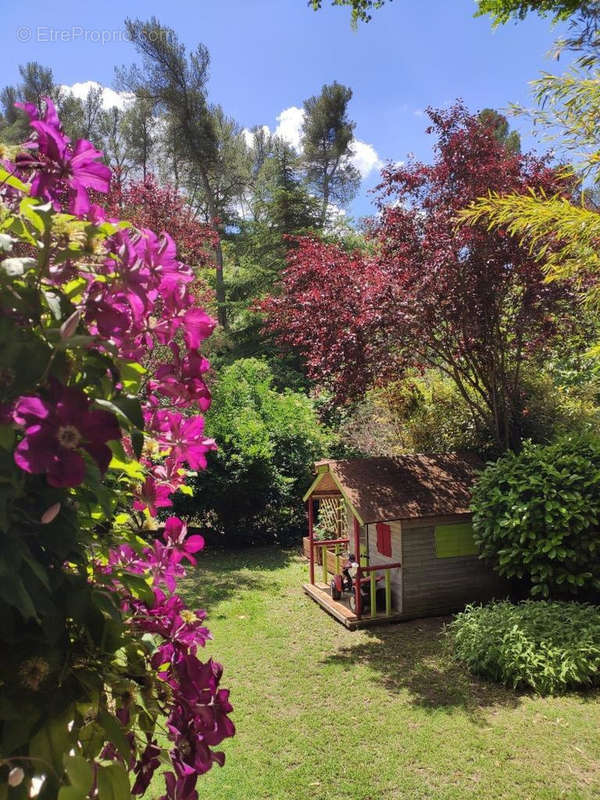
454 540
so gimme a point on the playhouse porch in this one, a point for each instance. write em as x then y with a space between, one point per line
334 531
341 611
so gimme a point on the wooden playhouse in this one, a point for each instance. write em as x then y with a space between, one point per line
407 520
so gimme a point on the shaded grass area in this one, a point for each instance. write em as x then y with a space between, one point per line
329 714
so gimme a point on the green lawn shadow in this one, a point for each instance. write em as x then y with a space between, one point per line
414 657
231 572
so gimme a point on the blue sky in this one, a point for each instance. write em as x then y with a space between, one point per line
269 55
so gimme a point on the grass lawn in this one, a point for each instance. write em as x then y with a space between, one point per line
323 713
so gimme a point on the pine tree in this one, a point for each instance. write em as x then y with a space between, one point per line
175 82
327 136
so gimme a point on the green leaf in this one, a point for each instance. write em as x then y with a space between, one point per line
52 742
105 603
115 733
10 180
137 443
131 375
79 340
138 587
53 302
133 469
71 793
127 409
92 739
13 592
74 289
7 437
79 772
28 208
37 569
130 406
113 783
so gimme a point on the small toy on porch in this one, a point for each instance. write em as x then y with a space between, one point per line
346 582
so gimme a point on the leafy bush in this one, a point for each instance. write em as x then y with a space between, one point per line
560 402
536 513
268 442
422 413
544 645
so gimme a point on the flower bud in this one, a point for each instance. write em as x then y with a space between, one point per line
69 326
50 514
15 777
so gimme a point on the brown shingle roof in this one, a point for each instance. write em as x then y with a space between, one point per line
406 487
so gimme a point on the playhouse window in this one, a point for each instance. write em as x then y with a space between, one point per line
384 539
454 540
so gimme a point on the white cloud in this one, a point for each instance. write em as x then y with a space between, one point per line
289 126
365 158
249 135
110 98
418 112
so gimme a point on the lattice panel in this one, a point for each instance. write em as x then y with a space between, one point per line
331 516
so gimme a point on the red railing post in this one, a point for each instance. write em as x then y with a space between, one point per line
311 540
358 592
357 587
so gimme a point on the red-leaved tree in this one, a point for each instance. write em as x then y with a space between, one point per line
466 300
162 208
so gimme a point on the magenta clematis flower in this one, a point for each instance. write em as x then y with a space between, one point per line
145 767
181 379
58 167
175 536
152 495
184 436
170 618
180 788
57 429
197 326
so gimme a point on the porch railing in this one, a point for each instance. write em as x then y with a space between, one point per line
336 543
373 569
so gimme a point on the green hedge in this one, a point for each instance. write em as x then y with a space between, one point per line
543 645
536 516
267 443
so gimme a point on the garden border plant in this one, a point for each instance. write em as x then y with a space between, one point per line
99 650
547 646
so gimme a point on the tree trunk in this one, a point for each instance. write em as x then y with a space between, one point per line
219 279
325 205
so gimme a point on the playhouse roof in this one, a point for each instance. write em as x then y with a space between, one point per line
404 487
